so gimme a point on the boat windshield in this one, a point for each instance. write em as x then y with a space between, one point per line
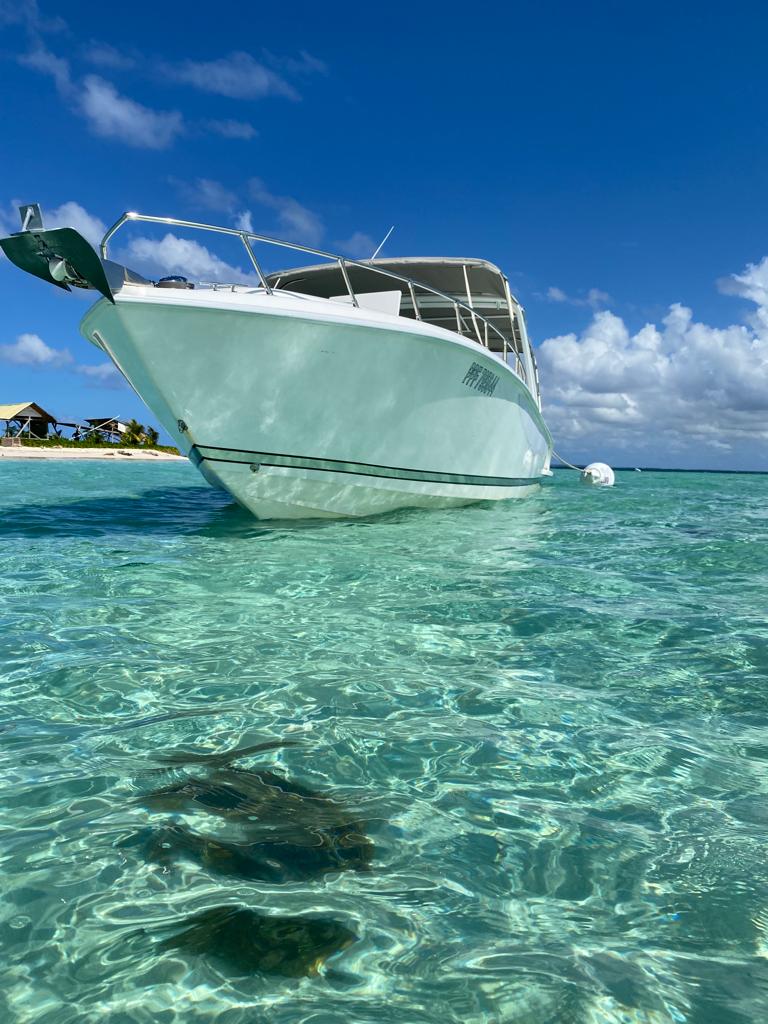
474 283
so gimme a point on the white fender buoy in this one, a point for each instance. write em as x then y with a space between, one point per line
598 474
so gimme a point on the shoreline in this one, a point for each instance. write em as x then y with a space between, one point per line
116 455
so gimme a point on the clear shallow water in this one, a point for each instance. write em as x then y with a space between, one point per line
551 715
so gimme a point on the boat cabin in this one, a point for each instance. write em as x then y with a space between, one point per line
470 297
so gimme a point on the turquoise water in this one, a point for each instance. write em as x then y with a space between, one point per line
529 775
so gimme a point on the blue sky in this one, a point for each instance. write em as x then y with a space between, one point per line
612 158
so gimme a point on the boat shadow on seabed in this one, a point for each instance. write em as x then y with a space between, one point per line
172 511
162 510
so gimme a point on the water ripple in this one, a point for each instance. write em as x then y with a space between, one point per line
548 716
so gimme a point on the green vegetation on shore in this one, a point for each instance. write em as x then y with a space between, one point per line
136 436
64 442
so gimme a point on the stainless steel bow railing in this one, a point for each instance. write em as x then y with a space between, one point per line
246 237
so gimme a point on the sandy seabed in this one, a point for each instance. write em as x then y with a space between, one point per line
117 454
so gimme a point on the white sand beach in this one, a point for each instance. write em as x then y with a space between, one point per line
115 455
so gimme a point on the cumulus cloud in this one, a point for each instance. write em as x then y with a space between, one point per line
238 76
680 387
751 283
297 223
31 350
73 215
111 115
156 257
174 255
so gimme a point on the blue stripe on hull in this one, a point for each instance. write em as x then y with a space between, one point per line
209 453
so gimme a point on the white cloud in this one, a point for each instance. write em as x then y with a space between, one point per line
751 283
103 375
10 220
111 115
31 350
230 129
207 193
243 221
238 76
27 14
72 215
47 63
107 113
678 387
305 64
359 245
174 255
595 298
105 55
297 223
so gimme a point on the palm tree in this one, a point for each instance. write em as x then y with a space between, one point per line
134 432
151 436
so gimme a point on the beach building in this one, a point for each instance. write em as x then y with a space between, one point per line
26 418
110 427
30 420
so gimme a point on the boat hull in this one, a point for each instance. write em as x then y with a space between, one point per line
305 409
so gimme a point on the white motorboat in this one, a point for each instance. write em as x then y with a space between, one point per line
343 388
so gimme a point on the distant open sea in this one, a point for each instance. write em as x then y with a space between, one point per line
530 774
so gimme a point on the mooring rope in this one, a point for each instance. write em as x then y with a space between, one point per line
565 462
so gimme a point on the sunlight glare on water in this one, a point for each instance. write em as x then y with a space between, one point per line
529 775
